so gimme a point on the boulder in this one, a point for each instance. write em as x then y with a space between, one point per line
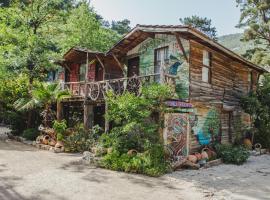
89 158
3 136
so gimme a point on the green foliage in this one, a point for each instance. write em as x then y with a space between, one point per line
85 30
81 140
60 128
122 27
202 24
151 162
136 127
232 154
30 134
255 19
257 104
43 96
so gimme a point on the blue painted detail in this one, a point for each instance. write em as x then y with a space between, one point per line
203 138
174 68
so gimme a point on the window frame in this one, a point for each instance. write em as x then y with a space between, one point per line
209 67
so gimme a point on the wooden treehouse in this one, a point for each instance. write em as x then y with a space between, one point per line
208 79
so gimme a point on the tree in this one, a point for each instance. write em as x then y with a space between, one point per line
122 27
202 24
85 29
257 104
43 95
255 18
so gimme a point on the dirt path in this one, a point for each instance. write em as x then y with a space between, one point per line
27 173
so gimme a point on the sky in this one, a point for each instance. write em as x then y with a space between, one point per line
223 13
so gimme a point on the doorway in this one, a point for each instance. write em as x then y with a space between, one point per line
133 66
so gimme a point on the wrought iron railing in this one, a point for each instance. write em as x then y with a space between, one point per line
97 90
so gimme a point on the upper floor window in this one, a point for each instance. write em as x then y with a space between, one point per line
82 72
206 69
161 58
250 81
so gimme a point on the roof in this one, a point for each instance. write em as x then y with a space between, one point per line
142 32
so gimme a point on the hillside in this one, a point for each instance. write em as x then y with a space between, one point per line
233 43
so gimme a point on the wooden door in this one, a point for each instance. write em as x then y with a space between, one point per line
99 73
226 127
133 66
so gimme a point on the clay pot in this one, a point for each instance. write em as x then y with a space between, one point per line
59 144
192 158
46 139
52 142
109 150
132 152
198 155
248 143
204 155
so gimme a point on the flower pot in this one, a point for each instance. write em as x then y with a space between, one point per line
192 158
59 144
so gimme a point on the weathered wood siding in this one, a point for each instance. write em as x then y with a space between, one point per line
229 80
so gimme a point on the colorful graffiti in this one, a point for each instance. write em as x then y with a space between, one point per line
207 127
176 64
176 134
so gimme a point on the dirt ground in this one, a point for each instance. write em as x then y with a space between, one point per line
27 173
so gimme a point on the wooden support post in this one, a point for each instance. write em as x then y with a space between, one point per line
181 46
103 66
88 116
107 123
59 112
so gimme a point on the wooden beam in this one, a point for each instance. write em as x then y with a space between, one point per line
101 63
118 62
181 45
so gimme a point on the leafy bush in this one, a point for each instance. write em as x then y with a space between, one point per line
150 162
81 140
137 123
257 104
232 154
60 128
30 134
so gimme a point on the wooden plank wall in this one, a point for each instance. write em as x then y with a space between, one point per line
229 81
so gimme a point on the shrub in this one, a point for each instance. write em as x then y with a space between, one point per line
257 104
151 163
136 128
232 154
30 134
81 140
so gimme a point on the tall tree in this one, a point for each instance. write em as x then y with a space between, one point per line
255 18
85 28
202 24
121 27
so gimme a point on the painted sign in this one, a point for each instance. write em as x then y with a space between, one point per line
178 104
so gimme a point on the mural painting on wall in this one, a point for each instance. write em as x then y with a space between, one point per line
175 63
206 126
176 134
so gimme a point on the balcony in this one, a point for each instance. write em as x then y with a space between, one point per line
95 91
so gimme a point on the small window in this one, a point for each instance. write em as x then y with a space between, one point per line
250 81
206 69
82 72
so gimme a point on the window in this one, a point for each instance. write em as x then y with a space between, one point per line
82 72
250 81
161 58
206 69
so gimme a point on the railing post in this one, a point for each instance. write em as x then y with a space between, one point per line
107 123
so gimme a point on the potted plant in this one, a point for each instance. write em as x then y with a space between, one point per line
60 128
